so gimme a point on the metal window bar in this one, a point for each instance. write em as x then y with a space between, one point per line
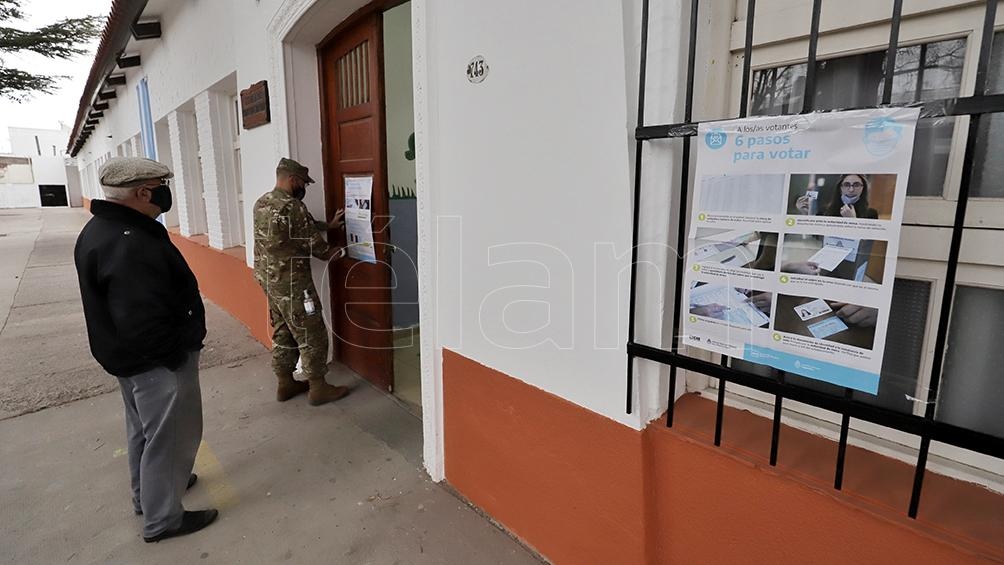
926 427
688 114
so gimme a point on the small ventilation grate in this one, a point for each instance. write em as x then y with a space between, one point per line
352 71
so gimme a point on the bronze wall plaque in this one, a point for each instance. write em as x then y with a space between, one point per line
254 105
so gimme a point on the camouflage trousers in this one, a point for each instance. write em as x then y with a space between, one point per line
298 335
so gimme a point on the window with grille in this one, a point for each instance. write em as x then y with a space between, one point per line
939 378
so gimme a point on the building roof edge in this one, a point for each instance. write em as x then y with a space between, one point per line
114 38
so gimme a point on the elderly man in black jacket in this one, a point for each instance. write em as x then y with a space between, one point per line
146 323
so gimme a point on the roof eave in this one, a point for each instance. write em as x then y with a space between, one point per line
118 30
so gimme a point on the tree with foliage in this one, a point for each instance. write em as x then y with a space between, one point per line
64 39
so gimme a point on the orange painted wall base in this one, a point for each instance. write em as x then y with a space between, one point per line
225 278
580 488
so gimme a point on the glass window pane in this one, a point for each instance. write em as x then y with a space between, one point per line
904 345
932 144
778 91
988 163
849 82
972 390
942 66
930 71
995 78
904 79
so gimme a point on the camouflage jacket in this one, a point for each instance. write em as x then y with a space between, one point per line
285 238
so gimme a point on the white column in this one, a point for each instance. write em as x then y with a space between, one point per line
187 183
211 112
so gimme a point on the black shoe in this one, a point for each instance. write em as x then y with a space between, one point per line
191 482
191 522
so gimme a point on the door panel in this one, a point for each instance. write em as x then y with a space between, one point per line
357 139
354 131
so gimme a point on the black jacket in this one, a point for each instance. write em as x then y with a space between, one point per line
141 301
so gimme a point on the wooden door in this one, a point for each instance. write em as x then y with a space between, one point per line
352 105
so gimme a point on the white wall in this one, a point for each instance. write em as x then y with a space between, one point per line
195 51
258 153
74 190
119 124
19 196
47 167
535 164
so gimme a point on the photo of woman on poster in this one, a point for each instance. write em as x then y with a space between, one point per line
850 200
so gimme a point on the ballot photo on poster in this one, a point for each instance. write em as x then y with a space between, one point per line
845 258
740 307
832 320
742 249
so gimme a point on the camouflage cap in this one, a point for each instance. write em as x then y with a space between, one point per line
292 167
124 171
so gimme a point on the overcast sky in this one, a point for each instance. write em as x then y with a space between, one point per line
46 111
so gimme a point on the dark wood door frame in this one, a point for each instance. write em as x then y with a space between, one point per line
377 6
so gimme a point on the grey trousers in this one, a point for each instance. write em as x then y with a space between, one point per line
163 413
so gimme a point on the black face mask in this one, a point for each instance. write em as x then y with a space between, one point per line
160 197
299 192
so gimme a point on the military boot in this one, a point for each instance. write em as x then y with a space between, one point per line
322 393
289 387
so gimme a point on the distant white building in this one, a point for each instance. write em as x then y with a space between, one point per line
38 172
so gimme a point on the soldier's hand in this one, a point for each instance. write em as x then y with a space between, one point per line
338 221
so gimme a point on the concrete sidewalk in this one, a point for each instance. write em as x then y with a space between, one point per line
341 483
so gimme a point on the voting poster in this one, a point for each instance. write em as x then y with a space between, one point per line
359 218
794 235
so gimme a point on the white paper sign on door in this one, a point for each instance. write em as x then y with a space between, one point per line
359 218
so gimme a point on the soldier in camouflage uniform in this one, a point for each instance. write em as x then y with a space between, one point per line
285 238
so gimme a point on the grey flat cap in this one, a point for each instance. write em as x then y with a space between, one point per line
123 171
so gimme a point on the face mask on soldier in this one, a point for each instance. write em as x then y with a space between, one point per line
299 191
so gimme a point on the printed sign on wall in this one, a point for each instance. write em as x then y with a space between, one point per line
793 240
